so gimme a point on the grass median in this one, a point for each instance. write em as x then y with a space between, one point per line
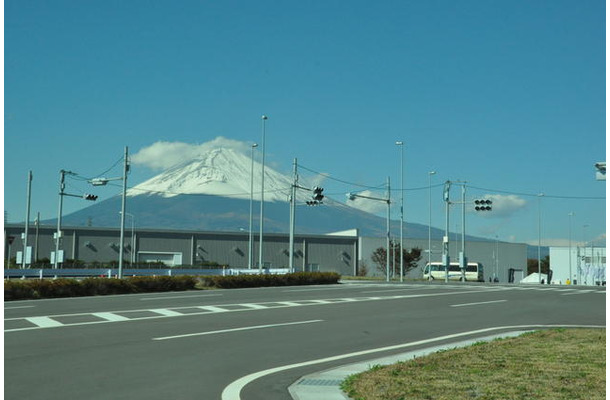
557 364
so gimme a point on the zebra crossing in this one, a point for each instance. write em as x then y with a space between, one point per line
65 320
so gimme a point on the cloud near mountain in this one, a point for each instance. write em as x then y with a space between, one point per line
504 205
163 155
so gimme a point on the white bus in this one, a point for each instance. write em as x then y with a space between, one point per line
474 271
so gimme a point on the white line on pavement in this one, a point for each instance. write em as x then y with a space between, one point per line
245 328
44 322
233 391
479 303
110 316
179 297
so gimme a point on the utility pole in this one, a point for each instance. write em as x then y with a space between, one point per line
58 234
123 201
446 237
293 193
260 239
387 258
27 222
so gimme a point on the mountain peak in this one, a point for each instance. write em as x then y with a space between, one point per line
221 172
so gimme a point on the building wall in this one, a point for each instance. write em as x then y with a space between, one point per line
497 257
588 265
312 252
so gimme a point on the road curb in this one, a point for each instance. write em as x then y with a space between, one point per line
325 384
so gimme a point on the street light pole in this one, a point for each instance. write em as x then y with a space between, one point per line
570 214
402 197
430 217
539 236
260 240
27 221
123 205
250 239
62 186
387 259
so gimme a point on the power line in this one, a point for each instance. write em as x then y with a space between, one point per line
538 194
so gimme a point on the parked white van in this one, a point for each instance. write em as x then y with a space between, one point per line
474 271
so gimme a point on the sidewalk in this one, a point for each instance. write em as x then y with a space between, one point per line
325 384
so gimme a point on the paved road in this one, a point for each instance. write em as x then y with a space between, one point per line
254 343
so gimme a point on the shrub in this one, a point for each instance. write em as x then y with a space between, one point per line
294 279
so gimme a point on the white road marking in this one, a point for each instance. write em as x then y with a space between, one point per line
167 313
245 328
44 322
14 308
180 297
254 306
233 391
213 308
110 316
479 303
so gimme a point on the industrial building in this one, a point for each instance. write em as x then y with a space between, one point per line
579 265
345 253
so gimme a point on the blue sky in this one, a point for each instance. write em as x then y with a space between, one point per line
506 95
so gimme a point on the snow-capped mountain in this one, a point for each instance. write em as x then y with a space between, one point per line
212 191
220 172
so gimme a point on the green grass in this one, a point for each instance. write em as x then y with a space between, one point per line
559 364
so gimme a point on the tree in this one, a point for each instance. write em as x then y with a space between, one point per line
410 258
532 265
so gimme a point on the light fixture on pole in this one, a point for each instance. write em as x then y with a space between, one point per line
402 198
103 182
250 239
260 239
353 196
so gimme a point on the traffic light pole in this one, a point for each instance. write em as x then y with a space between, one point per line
293 193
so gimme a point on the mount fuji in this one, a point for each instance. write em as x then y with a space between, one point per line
211 192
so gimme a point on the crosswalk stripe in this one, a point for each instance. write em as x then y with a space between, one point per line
110 316
44 322
166 312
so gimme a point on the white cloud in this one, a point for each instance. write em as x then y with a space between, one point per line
162 155
369 205
504 205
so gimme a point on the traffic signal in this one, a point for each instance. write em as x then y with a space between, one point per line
91 197
482 205
317 194
312 202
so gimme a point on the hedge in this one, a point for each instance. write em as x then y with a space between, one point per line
249 281
53 288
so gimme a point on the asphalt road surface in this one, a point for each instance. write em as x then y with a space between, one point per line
253 343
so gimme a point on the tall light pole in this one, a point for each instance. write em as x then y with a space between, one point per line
387 259
402 197
446 258
123 204
62 186
540 195
260 240
430 218
570 214
250 239
27 221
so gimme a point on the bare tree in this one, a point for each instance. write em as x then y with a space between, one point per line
410 258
